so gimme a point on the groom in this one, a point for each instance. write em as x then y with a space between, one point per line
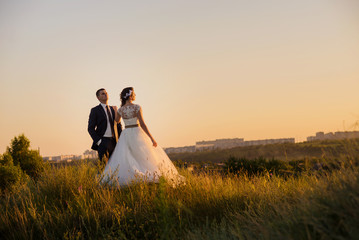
102 126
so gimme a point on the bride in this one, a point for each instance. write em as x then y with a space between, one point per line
137 155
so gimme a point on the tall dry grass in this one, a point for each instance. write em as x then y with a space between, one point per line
69 203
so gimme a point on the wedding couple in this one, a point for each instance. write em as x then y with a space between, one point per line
135 156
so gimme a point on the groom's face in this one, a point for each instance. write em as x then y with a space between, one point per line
103 96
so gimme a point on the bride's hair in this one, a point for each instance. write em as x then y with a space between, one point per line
125 95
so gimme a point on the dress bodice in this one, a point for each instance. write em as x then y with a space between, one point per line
129 114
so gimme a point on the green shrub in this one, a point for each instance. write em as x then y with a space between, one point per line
32 164
10 176
258 166
30 161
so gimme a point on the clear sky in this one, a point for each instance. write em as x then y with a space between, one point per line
201 69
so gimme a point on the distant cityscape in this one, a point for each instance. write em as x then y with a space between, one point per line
225 143
219 144
333 136
88 154
239 142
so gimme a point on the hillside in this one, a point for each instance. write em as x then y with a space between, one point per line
328 149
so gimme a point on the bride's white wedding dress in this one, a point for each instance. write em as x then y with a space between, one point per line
135 158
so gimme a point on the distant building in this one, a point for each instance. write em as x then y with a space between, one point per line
225 144
180 149
332 136
90 154
238 142
70 157
219 144
268 141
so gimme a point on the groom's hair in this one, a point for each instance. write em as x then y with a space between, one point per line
98 91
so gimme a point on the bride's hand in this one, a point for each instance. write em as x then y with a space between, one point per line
154 143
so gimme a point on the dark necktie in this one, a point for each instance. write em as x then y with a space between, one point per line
111 120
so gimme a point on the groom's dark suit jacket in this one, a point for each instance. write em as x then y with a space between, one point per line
97 124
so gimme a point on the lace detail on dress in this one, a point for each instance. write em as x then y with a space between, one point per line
129 111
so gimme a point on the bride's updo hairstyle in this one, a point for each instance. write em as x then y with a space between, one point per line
125 95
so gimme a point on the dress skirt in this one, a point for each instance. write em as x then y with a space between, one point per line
136 159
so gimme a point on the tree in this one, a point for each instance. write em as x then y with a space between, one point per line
10 176
6 159
29 161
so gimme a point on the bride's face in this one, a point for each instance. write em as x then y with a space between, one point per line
133 96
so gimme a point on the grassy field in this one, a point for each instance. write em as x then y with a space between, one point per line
68 203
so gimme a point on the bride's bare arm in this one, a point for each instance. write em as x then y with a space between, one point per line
144 127
117 116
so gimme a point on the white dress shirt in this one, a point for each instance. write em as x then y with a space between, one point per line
108 132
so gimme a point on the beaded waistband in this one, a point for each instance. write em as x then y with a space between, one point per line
131 126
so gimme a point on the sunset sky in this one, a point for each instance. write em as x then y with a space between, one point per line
202 70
